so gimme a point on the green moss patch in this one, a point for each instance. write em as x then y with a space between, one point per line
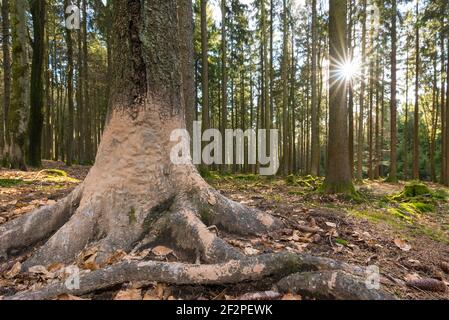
10 183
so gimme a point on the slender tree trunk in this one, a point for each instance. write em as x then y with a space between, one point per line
315 145
187 60
393 110
360 135
87 111
351 89
36 119
20 99
224 78
447 115
204 68
416 112
6 73
70 119
405 170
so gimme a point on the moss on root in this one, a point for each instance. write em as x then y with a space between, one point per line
343 188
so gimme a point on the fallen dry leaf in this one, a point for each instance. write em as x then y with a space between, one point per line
290 296
401 244
161 251
251 251
116 257
331 225
130 294
14 271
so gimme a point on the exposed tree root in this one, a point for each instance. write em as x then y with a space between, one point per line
234 271
38 225
335 284
235 217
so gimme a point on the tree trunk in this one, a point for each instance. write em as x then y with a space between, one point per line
205 67
6 73
315 144
20 100
338 177
36 119
416 112
70 120
360 135
224 78
393 111
187 61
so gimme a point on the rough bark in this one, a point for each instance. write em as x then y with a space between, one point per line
187 60
338 177
6 71
393 111
416 111
36 119
20 99
70 120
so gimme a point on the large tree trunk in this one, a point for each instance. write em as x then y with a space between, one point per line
338 177
20 100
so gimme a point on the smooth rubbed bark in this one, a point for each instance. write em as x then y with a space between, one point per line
339 176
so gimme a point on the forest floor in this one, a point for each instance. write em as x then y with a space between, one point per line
406 239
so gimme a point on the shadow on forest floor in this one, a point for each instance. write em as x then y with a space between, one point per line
407 239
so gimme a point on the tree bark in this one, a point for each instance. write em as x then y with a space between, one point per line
393 112
20 100
315 144
36 119
416 111
6 72
338 177
70 120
